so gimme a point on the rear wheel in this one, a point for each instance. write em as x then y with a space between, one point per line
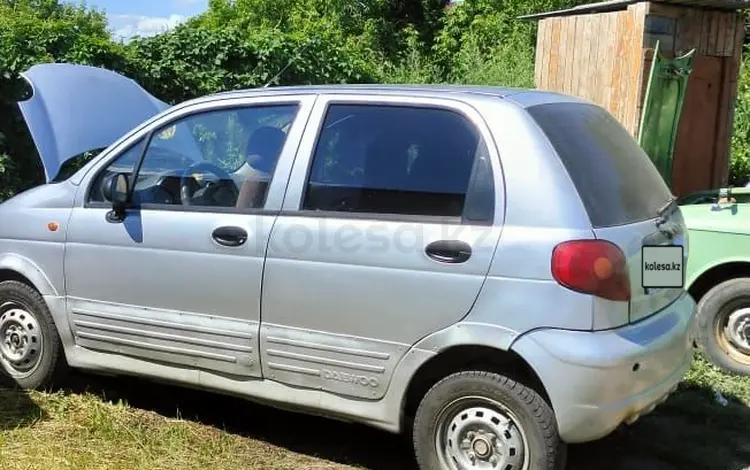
30 351
724 325
481 420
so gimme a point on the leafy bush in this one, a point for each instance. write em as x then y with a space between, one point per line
251 43
34 31
739 167
195 60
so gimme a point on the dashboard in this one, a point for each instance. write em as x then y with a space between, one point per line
159 181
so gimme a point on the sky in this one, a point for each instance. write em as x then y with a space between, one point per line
128 18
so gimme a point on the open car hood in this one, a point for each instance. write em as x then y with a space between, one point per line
76 109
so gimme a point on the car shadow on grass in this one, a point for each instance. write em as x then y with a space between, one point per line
693 430
336 441
17 409
690 431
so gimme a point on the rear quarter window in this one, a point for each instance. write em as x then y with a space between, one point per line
615 178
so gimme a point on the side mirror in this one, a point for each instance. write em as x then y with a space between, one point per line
116 190
119 189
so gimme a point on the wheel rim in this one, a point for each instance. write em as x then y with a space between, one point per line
480 433
21 344
732 330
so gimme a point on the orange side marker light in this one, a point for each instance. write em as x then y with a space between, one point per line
53 226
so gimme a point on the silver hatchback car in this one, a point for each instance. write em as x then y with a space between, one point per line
473 265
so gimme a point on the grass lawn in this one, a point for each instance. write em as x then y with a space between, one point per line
123 423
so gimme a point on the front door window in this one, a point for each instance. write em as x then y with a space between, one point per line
223 158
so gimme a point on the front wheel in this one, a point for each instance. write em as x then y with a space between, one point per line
724 325
481 420
30 350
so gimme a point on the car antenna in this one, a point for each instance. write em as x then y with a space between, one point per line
289 64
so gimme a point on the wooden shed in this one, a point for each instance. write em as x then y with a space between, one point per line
603 52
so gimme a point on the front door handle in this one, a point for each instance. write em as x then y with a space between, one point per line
449 251
230 236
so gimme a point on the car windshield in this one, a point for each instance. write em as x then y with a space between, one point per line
71 166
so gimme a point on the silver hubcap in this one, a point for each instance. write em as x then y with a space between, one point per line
20 339
479 433
738 329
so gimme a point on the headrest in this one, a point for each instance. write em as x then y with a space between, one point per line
264 147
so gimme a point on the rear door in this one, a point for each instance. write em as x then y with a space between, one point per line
626 198
386 235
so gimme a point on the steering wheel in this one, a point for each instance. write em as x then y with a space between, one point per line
192 191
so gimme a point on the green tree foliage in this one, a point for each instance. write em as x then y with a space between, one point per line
196 60
34 31
483 41
739 168
250 43
374 24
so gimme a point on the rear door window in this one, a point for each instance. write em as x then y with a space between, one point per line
389 159
614 177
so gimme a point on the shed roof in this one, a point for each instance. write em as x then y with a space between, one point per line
614 5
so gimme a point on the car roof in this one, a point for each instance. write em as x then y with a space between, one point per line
439 89
522 96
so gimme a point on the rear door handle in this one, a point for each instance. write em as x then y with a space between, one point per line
230 236
449 251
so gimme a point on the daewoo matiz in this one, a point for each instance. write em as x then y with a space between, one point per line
479 266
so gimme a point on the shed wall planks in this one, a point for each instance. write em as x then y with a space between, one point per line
605 58
594 57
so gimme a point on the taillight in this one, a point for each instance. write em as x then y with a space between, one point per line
595 267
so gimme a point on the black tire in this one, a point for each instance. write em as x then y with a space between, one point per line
530 412
49 365
714 309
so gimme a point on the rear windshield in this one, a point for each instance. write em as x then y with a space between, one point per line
613 175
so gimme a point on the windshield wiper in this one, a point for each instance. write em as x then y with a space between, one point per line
662 213
666 206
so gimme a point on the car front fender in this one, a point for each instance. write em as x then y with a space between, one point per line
28 269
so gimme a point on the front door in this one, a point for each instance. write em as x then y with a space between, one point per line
178 280
388 229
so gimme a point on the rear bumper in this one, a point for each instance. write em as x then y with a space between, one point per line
599 380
